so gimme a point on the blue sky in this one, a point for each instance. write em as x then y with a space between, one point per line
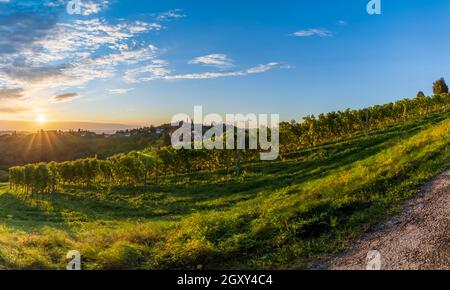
140 62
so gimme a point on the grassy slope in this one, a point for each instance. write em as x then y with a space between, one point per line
278 215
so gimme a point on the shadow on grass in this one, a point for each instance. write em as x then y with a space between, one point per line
20 213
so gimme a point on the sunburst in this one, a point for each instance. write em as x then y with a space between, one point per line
41 119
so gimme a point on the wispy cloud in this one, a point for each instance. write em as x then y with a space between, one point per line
12 94
87 7
342 23
54 54
313 32
93 7
43 54
170 15
157 69
64 98
216 60
266 67
120 91
212 75
12 110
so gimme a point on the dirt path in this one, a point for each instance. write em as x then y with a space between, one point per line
418 238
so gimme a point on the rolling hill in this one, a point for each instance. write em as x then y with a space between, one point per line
277 215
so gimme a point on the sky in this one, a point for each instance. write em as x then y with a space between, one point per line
140 62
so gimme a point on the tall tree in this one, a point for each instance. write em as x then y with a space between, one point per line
440 87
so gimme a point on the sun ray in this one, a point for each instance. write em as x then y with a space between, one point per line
55 139
30 145
48 146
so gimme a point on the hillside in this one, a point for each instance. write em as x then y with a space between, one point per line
282 214
45 146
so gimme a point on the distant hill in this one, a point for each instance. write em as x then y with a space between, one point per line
56 145
28 126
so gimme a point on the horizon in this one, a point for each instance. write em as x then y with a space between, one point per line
111 127
138 66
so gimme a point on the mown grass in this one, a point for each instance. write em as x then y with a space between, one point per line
277 215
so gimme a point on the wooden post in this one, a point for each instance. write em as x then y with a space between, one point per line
146 173
238 161
367 122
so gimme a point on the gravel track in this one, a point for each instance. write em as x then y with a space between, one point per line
417 239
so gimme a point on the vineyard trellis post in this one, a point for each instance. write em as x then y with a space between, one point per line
238 162
367 122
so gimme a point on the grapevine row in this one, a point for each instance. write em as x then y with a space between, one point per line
132 169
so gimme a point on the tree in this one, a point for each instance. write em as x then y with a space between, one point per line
440 87
420 95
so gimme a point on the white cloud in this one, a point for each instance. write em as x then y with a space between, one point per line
169 15
93 7
85 37
220 74
120 91
157 69
206 75
216 60
342 22
41 56
67 55
87 7
266 67
313 32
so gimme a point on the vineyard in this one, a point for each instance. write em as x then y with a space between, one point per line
281 214
138 168
189 209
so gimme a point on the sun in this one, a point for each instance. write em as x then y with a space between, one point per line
40 119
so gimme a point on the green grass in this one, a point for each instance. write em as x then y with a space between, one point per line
278 215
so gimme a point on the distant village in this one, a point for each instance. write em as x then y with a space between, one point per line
144 131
